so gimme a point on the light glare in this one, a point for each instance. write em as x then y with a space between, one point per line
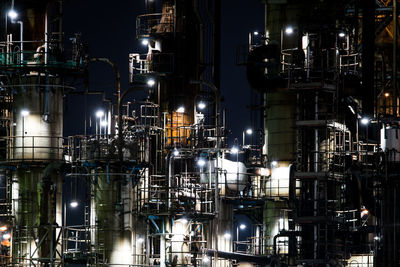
201 162
352 110
249 131
74 204
234 150
151 82
180 110
12 14
365 121
289 30
227 235
6 236
24 112
145 42
202 105
242 226
99 113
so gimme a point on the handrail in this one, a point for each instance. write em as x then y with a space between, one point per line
42 54
33 148
151 63
156 23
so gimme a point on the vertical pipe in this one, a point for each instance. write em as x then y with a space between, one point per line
46 38
394 218
21 32
147 240
250 41
109 119
394 78
162 245
308 57
316 143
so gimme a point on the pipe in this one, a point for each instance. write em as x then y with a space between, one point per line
120 99
46 37
262 260
46 107
284 233
118 91
394 78
21 32
316 169
110 125
168 175
163 245
217 104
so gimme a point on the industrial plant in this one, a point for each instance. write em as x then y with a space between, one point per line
313 182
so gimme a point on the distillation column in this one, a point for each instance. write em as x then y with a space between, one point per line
279 123
32 69
180 205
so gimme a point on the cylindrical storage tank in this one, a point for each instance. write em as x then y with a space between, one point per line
140 241
112 237
326 149
38 121
390 143
232 175
179 246
275 219
222 239
25 206
277 184
37 206
280 125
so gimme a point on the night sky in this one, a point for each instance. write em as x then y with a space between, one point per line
109 30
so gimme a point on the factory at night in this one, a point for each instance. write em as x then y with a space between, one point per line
140 167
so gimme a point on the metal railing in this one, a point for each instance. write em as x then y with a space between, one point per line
195 135
33 148
157 23
361 260
150 115
91 147
77 242
298 70
38 54
185 194
161 63
349 63
28 241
